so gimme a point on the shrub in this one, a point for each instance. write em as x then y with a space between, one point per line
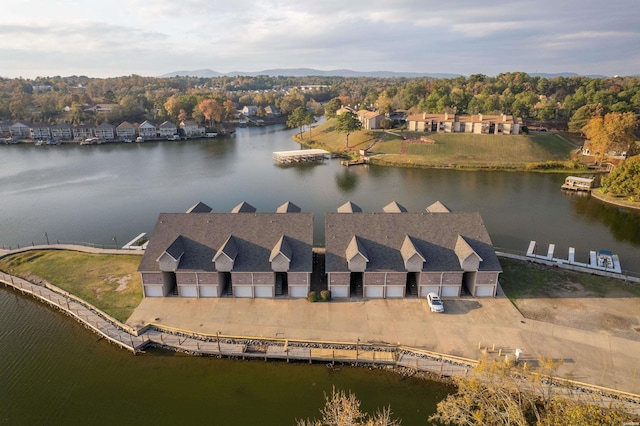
312 296
325 295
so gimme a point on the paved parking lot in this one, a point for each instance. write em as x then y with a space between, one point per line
588 356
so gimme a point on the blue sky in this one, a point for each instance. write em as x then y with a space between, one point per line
111 38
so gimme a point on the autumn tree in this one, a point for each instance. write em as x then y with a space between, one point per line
230 109
613 132
499 393
173 106
341 409
624 180
211 110
347 123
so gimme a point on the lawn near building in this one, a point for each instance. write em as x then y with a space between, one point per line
108 282
537 151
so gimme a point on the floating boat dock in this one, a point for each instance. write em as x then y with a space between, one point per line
573 183
603 260
297 156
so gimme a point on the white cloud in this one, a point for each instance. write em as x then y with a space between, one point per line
406 35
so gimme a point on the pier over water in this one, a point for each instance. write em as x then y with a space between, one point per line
296 156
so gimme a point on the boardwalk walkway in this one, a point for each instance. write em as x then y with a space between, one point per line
235 346
463 327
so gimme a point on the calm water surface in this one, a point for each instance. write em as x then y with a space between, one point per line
98 193
52 371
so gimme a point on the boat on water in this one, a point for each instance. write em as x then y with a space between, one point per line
605 259
575 183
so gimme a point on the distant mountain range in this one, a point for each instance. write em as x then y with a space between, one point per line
307 72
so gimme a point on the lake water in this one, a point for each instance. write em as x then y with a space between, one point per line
110 193
52 371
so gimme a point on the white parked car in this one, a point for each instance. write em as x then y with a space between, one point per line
435 304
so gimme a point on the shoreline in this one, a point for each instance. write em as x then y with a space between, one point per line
405 361
595 193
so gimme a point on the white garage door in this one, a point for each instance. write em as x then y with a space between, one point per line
374 292
450 291
188 290
264 291
339 291
426 289
298 292
484 291
395 291
242 291
153 291
209 291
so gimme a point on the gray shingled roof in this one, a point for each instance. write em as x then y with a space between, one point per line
243 207
283 247
229 248
394 207
175 249
356 246
438 207
383 234
200 207
255 235
463 249
349 207
288 207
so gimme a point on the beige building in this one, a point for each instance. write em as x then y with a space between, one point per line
477 123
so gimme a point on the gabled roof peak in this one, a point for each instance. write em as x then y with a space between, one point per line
394 207
349 207
243 207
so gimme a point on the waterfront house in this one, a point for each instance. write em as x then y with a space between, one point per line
167 129
243 254
250 110
126 130
272 111
5 129
191 128
39 131
83 131
397 254
62 131
147 130
20 130
105 131
370 119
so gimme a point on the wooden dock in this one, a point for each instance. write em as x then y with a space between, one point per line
300 155
356 162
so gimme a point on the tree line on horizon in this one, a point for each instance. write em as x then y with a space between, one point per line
565 101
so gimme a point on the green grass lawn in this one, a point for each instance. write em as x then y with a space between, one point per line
109 282
462 150
521 280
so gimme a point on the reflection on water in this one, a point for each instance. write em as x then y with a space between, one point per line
93 193
624 224
346 181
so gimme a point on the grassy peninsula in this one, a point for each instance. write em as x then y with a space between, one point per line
543 151
109 282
